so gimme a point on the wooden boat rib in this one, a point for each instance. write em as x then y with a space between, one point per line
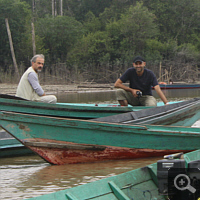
45 135
141 183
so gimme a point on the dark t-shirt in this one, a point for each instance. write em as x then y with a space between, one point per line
142 83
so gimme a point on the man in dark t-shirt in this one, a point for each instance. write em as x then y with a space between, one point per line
140 79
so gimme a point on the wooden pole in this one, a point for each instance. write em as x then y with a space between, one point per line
12 49
160 72
33 38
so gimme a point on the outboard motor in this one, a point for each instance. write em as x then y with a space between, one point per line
177 179
164 175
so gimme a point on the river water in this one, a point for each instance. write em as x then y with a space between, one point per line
30 176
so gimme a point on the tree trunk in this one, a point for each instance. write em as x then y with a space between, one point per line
61 7
12 49
33 38
33 6
53 9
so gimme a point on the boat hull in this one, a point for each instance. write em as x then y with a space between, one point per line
78 111
178 86
61 140
60 153
71 110
121 141
11 147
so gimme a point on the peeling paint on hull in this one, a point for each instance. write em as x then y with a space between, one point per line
61 156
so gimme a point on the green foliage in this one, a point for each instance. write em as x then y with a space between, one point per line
94 35
92 23
177 19
18 14
59 35
156 50
137 25
91 48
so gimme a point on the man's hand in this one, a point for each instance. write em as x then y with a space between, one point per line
134 92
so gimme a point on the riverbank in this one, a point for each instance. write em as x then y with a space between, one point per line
53 89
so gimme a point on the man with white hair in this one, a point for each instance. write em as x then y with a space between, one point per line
29 86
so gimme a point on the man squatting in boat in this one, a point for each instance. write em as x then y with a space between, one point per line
29 86
140 80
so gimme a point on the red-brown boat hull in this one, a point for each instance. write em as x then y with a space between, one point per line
61 156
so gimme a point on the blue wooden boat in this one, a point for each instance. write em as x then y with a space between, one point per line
72 110
179 86
10 147
63 140
149 182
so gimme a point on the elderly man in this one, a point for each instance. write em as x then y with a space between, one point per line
29 86
140 81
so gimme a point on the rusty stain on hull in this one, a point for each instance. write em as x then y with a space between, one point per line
61 156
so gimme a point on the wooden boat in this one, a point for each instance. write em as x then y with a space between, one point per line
178 86
179 114
71 110
10 147
139 184
64 140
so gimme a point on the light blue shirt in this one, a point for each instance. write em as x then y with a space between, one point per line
33 80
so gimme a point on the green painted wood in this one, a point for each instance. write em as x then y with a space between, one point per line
64 110
117 191
73 110
9 142
136 184
24 126
14 151
70 196
185 113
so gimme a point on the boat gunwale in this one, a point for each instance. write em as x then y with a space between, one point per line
89 124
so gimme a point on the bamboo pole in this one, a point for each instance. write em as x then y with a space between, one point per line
12 49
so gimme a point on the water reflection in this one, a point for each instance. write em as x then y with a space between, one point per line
87 97
22 178
110 97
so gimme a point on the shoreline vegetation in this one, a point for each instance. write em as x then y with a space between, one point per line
89 40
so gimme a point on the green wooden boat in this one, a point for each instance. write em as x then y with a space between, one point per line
10 147
64 140
72 110
144 183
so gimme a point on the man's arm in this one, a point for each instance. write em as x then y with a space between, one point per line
160 93
33 80
119 84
